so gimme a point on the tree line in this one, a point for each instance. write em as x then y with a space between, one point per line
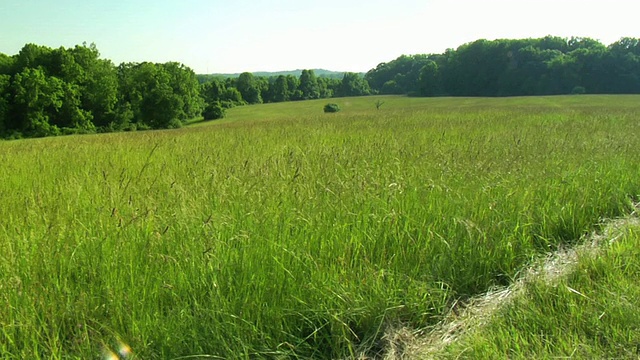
248 88
45 91
544 66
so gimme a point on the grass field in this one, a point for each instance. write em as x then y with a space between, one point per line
285 232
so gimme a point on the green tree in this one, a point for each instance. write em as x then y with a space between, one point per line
94 80
329 86
555 43
353 84
625 46
37 98
391 87
212 91
623 64
404 72
32 56
528 71
575 43
281 89
184 84
475 68
309 85
159 95
160 106
249 88
6 64
100 92
430 83
232 97
5 83
130 94
99 86
293 84
71 117
213 111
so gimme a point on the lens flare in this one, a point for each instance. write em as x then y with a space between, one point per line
109 355
124 350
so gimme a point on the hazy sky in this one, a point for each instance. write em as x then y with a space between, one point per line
270 35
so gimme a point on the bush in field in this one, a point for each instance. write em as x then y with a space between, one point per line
213 111
331 108
174 124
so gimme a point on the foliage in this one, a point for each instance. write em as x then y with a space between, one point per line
281 89
213 111
160 95
429 79
331 108
38 99
5 83
545 66
309 85
47 91
249 88
6 64
353 84
320 73
399 76
212 90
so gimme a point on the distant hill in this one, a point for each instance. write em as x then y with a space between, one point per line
296 73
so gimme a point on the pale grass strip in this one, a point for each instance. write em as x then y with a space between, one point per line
404 343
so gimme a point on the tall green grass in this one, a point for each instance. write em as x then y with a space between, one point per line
286 232
591 314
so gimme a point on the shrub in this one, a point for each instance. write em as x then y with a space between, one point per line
213 111
174 124
227 104
331 108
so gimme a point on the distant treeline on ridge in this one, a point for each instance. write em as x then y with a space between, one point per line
545 66
46 91
296 73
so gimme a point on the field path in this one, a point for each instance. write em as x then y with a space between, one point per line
462 318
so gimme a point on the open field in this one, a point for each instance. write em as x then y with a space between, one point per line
285 232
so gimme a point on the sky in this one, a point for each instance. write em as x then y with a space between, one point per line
232 36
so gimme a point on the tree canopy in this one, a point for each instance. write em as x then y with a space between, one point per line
544 66
46 91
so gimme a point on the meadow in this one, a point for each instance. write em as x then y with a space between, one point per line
284 232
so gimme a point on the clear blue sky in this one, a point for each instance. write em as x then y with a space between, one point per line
270 35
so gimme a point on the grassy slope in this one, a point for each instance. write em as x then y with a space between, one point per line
285 231
593 313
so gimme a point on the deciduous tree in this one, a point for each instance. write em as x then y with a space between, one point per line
309 85
249 88
37 98
353 84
